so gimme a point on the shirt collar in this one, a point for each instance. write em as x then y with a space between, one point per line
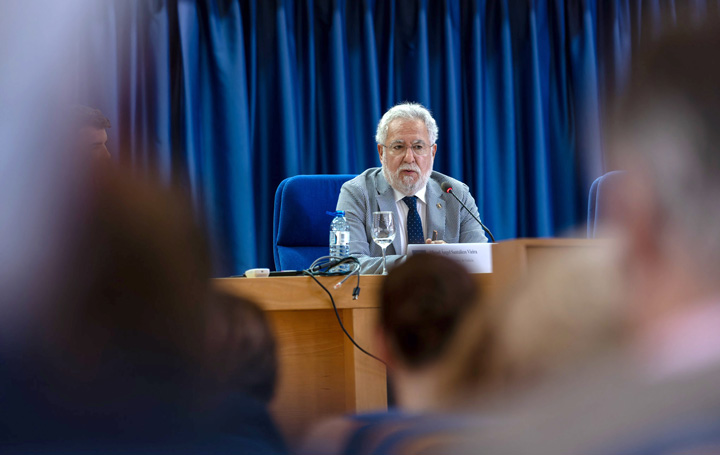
420 194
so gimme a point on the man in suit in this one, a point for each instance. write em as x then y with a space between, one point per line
407 186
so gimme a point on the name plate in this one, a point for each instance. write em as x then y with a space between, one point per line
476 257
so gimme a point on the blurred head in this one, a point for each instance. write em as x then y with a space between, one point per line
665 132
406 138
128 311
565 313
241 346
422 301
570 312
90 127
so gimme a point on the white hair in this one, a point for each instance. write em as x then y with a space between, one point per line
407 111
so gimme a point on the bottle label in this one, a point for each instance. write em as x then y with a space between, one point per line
342 237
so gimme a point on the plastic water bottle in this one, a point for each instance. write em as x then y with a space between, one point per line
339 240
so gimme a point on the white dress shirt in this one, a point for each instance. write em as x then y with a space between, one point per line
402 208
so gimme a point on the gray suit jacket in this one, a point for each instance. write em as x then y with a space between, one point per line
370 192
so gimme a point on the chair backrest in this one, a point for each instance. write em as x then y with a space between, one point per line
598 209
301 228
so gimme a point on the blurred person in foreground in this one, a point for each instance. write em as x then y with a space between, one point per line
557 320
113 360
422 302
242 360
660 395
407 186
90 131
241 346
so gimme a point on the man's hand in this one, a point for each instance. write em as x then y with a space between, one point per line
429 241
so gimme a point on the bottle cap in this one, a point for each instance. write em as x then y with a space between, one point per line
338 213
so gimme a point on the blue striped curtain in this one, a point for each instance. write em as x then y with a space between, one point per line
228 97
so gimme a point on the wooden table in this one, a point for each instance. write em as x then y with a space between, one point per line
321 373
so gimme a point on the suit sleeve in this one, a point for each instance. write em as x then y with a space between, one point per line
362 247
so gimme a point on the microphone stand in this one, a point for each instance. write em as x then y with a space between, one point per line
450 191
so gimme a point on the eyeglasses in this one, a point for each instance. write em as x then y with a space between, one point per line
400 149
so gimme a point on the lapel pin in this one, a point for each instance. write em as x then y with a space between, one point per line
439 205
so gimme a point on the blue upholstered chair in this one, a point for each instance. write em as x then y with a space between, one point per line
597 201
301 228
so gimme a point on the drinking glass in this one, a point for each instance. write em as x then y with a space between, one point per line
383 232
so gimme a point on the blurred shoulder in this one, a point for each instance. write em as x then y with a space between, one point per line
392 432
329 437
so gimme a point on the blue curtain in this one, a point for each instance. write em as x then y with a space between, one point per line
228 97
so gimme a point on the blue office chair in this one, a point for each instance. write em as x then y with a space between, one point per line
301 228
597 204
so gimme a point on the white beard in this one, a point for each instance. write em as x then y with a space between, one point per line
405 185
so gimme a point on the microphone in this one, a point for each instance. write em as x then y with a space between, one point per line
447 188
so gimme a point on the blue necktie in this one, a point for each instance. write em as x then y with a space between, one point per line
414 225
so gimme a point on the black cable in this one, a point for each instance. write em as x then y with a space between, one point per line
356 291
316 269
323 269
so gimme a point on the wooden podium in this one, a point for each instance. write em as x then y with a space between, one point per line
321 373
